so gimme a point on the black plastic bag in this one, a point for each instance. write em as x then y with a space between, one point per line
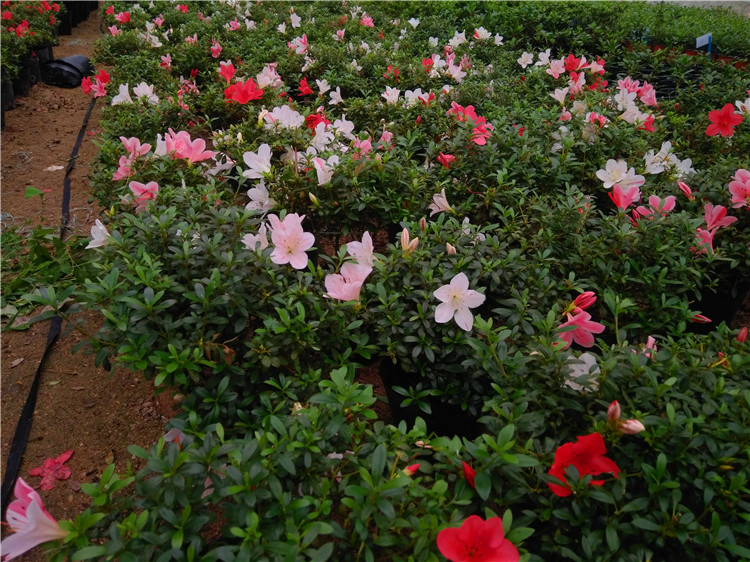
67 72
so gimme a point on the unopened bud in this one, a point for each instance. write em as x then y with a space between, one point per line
613 412
423 224
314 199
631 427
450 249
411 469
742 336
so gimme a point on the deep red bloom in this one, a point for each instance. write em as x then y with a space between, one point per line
647 125
446 159
183 8
469 473
742 336
53 469
587 455
7 15
227 71
110 11
723 121
243 92
304 89
86 85
477 541
572 63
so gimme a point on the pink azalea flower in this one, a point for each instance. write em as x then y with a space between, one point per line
478 540
299 44
114 30
346 286
439 203
143 193
556 68
134 147
656 205
159 20
195 151
99 88
446 159
408 245
583 330
215 49
290 240
705 241
123 170
716 216
166 61
740 189
122 17
583 301
234 25
362 252
367 21
31 524
362 147
647 94
623 198
456 300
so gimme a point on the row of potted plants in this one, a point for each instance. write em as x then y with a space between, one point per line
526 239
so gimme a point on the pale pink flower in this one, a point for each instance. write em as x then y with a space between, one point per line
336 97
559 95
629 85
740 188
556 68
295 19
616 171
391 95
456 300
31 524
324 169
716 216
144 90
346 286
299 44
233 25
259 199
195 151
525 59
481 34
650 347
159 20
166 61
362 147
290 240
258 162
143 193
114 30
339 35
256 241
450 249
439 203
134 147
192 40
583 330
629 427
408 245
362 252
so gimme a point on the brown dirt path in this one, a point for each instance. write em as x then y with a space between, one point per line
79 406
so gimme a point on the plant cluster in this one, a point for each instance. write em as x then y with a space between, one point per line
26 25
525 227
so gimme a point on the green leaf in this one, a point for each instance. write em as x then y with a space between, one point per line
378 460
34 192
646 524
88 552
483 484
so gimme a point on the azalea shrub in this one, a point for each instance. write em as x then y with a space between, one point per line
534 227
26 26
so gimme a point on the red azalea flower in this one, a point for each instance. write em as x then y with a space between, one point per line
312 120
723 121
304 89
477 540
647 125
446 159
122 17
86 85
53 469
110 11
102 76
7 15
742 335
227 71
243 92
469 473
587 455
183 8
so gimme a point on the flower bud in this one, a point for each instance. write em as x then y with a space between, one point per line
451 250
423 224
631 427
314 199
700 319
584 300
742 336
613 412
469 473
411 469
685 188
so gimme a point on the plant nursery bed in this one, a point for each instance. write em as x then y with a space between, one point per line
342 282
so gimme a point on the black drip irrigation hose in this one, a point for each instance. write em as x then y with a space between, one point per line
23 428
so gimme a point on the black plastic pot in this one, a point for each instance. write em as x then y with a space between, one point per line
722 305
7 94
66 24
444 419
44 54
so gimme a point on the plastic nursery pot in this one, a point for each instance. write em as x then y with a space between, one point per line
722 305
44 54
444 419
8 95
